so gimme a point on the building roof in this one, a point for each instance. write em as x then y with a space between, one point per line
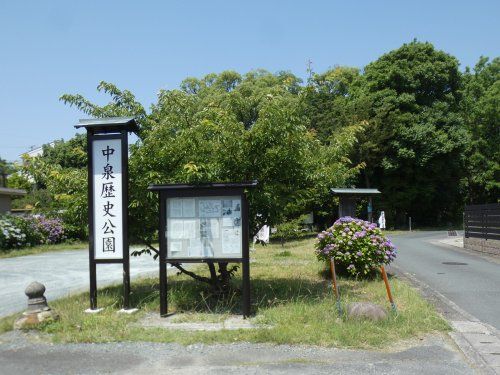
111 124
37 151
355 192
12 192
203 186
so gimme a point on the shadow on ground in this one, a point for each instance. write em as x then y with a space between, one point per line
192 296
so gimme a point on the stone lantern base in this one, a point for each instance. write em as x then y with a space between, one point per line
38 310
32 318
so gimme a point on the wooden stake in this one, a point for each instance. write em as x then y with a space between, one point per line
334 285
388 288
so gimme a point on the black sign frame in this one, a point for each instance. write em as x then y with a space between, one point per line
106 129
196 191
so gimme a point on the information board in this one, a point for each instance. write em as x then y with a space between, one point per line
107 198
204 227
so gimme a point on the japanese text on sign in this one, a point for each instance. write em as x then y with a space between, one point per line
107 187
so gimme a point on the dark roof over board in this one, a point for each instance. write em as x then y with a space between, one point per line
12 192
110 123
221 185
355 192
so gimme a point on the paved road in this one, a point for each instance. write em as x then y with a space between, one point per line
473 284
61 272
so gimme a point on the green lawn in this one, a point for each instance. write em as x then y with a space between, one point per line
289 293
70 245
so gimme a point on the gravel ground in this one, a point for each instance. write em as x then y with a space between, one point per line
26 353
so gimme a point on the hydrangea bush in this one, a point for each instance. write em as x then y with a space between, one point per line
357 245
52 230
11 235
18 232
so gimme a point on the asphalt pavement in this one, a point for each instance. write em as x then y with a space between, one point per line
469 280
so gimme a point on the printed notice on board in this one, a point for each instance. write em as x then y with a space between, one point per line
194 248
210 208
182 207
231 240
204 227
188 207
176 229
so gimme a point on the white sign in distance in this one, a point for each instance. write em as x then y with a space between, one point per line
107 187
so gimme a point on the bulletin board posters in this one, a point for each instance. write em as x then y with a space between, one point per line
204 227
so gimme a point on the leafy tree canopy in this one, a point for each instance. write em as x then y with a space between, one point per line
67 154
414 144
481 112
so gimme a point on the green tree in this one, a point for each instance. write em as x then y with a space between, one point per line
18 180
481 111
241 95
332 101
413 146
6 168
67 154
228 128
64 193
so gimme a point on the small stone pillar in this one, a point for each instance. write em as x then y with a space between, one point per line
38 311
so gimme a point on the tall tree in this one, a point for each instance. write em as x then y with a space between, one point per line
332 101
481 111
415 140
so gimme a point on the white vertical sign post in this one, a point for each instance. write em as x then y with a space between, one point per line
107 147
108 191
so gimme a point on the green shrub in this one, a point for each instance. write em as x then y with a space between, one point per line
290 230
16 232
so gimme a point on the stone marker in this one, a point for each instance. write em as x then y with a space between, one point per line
366 310
38 310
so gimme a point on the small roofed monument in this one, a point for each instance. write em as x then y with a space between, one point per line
6 196
349 198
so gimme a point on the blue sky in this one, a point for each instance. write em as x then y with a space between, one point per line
48 48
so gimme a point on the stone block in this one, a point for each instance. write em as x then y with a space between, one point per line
31 319
366 310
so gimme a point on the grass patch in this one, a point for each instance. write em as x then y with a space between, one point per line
7 322
69 245
289 293
284 253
